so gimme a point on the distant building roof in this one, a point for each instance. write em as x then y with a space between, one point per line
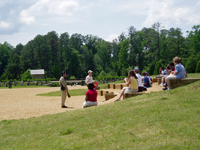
37 72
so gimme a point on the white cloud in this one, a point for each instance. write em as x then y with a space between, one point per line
48 8
63 7
4 24
167 13
111 37
26 18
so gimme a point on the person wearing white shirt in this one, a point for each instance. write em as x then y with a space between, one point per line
89 78
140 84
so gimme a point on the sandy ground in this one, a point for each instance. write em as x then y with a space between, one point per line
23 102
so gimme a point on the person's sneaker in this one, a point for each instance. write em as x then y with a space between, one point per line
164 89
64 106
161 84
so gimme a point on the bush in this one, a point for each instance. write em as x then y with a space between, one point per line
72 77
198 67
191 64
55 84
26 75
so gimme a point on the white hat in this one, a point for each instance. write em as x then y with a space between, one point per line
89 71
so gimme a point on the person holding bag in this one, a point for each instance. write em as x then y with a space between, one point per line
64 89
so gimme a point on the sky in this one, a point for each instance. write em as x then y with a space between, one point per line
22 20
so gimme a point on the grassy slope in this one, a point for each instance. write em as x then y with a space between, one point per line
163 120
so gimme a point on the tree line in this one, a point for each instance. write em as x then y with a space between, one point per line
148 49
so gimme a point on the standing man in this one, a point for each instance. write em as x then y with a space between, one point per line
89 78
64 89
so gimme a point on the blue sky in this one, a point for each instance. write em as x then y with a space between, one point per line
22 20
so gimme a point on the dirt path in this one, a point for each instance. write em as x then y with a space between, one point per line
23 102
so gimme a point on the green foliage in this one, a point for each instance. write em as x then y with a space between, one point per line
123 55
102 74
191 64
55 84
76 54
3 77
72 77
198 67
157 66
26 75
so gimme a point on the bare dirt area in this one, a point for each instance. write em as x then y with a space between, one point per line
23 102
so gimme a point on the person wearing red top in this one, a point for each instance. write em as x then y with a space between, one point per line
90 96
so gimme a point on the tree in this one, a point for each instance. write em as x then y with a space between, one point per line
13 70
198 67
157 67
5 50
123 55
191 64
104 55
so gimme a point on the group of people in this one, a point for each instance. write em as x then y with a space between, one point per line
135 82
91 94
174 70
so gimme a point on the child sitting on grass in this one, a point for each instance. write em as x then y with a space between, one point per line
90 96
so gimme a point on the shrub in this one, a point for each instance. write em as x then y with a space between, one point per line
55 84
26 75
72 77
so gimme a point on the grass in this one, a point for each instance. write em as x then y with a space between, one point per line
154 121
189 75
71 92
77 92
193 75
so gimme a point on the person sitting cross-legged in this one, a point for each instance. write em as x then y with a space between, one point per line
90 96
132 83
146 81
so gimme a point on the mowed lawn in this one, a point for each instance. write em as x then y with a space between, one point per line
154 121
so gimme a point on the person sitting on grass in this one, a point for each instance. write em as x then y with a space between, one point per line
132 83
90 96
145 80
178 73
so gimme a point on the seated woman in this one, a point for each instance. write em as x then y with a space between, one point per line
90 96
132 84
179 72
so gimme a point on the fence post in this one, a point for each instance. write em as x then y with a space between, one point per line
10 85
